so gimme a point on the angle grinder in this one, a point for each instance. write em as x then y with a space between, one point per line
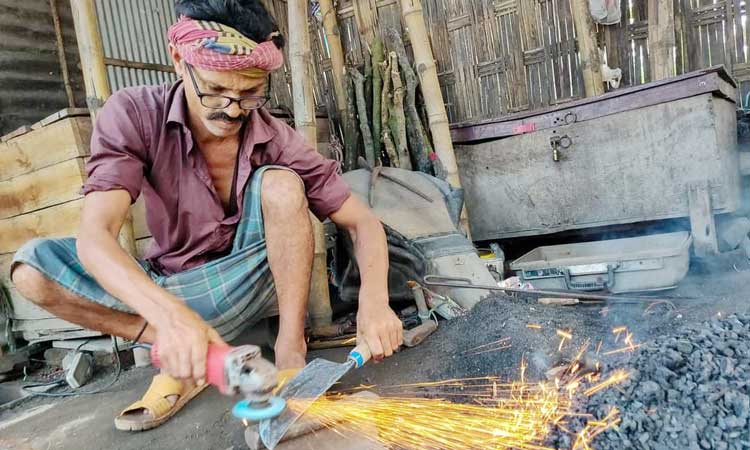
241 370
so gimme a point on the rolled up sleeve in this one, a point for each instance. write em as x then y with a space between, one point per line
326 189
118 150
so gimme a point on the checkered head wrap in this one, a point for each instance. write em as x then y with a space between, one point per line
212 46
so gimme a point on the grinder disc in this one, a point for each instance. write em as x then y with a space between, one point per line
255 412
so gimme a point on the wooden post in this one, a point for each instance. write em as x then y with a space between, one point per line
661 38
591 62
336 53
702 223
319 305
92 55
61 53
96 82
433 97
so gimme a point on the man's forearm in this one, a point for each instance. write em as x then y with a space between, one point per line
121 276
371 251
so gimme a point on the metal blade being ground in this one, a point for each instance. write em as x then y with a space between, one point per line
312 382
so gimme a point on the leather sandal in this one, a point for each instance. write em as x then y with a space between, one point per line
154 408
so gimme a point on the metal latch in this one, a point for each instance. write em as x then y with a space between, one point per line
557 143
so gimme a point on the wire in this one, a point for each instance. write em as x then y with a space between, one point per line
146 346
77 349
77 393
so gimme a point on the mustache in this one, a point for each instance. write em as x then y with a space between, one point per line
227 118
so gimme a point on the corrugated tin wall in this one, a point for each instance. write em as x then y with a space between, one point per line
31 83
136 32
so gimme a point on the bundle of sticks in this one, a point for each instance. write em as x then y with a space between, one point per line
383 116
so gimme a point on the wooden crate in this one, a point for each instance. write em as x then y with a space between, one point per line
41 174
66 139
44 187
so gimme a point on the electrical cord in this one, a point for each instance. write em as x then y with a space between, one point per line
114 379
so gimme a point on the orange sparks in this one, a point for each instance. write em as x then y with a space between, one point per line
618 331
493 415
500 344
629 348
482 413
594 428
564 334
617 377
520 419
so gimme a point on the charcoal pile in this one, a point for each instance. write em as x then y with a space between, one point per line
688 390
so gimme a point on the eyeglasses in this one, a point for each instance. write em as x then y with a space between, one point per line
217 101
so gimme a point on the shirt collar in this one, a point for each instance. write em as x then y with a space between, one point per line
257 131
177 105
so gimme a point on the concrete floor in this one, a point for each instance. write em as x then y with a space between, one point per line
83 423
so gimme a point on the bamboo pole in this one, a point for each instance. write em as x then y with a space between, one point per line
661 38
411 11
96 83
366 15
92 55
336 53
591 62
62 58
433 97
319 304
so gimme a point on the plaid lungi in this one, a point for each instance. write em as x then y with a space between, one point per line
230 293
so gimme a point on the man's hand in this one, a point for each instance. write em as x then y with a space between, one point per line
183 339
377 325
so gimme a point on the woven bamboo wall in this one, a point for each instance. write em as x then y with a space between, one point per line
496 57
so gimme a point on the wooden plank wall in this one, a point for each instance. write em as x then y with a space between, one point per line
497 57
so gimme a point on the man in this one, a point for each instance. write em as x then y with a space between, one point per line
227 190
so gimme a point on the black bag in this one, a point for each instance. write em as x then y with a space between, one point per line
406 263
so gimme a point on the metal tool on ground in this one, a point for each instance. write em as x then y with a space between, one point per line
415 335
309 384
584 298
563 301
241 370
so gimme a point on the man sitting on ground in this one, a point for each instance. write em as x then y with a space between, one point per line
227 189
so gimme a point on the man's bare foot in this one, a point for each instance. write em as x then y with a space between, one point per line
290 354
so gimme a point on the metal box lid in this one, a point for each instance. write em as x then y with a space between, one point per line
714 80
610 251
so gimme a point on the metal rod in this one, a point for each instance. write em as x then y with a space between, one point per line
365 165
465 283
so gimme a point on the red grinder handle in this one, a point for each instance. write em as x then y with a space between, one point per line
215 358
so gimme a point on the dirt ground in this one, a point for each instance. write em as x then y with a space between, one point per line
83 423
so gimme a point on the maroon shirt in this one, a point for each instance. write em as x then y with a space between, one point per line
141 143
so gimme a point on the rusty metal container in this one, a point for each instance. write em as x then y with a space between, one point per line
626 157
